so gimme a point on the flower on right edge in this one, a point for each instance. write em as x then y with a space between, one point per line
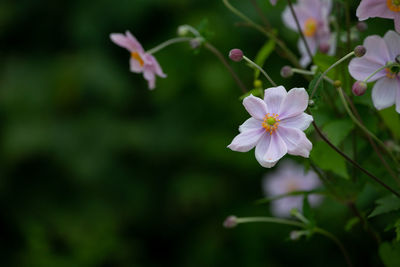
389 9
276 126
380 52
290 177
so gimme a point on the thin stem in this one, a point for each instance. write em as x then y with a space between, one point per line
364 222
216 52
381 68
366 131
337 242
325 72
261 14
167 43
289 54
260 69
269 220
192 30
376 179
307 72
303 38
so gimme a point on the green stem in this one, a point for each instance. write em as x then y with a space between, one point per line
270 220
307 72
167 43
289 54
381 68
337 242
325 72
366 131
260 69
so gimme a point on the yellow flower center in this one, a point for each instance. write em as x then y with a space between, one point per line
271 123
136 56
393 5
393 71
310 27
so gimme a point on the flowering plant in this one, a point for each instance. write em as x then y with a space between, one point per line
352 145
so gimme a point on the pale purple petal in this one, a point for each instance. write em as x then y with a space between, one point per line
273 2
135 65
255 106
392 40
276 150
149 75
137 46
273 97
152 62
301 121
282 207
245 141
250 124
361 68
397 23
373 8
296 141
305 58
123 41
384 93
294 104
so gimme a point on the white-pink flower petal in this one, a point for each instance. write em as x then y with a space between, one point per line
294 103
250 124
301 121
245 141
296 141
273 97
255 107
384 92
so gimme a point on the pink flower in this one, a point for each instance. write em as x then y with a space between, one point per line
273 2
290 177
313 16
140 61
380 52
276 125
389 9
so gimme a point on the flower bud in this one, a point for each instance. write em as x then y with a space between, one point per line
182 30
196 42
360 50
362 26
295 235
230 222
257 83
236 55
359 88
324 48
311 103
286 72
337 84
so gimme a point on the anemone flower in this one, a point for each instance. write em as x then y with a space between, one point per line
276 126
313 17
290 177
140 61
389 9
381 52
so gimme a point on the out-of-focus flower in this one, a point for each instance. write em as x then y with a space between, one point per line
273 2
313 16
276 125
290 177
140 61
389 9
380 52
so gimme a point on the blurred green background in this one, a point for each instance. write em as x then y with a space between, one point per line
96 170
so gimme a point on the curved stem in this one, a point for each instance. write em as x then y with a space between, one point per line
289 54
303 38
337 242
167 43
270 220
216 52
325 72
381 68
192 30
260 69
363 128
376 179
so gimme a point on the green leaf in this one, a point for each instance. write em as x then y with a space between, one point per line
338 130
262 56
397 227
256 92
392 120
390 254
351 223
308 212
385 205
328 159
323 62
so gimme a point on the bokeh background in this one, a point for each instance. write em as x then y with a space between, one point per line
96 170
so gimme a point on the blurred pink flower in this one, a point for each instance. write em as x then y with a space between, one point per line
276 126
273 2
140 61
290 177
389 9
313 16
380 52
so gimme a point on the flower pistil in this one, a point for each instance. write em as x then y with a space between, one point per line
270 123
393 5
136 56
310 27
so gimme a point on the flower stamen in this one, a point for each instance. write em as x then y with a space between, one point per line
271 122
136 56
393 5
310 27
393 71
